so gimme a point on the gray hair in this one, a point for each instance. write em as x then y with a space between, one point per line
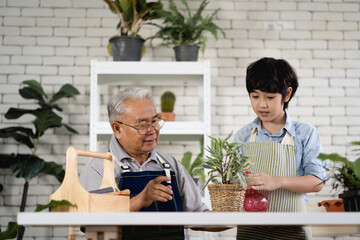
116 105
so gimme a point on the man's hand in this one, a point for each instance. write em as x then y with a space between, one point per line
154 191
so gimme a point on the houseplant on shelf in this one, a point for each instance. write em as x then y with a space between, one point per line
28 166
167 99
226 171
132 14
186 31
347 177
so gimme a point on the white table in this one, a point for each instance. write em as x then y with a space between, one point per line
188 219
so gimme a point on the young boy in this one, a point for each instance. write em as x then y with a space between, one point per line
284 151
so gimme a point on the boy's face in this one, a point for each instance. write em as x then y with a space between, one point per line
269 107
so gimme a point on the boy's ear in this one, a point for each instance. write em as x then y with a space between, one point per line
288 94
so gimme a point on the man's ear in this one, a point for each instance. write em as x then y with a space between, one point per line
116 129
288 94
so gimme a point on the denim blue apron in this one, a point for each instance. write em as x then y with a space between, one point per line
136 182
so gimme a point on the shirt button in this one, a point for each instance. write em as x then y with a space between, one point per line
270 138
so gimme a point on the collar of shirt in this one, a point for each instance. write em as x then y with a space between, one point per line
287 127
121 155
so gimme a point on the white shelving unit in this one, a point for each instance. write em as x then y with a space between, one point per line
144 74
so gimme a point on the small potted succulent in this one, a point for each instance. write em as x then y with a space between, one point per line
226 166
167 106
346 177
186 31
132 14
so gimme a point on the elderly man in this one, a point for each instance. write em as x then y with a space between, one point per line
156 180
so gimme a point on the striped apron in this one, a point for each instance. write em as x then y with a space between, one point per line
275 159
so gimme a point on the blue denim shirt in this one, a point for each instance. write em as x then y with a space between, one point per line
307 144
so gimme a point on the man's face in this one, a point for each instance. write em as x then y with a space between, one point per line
138 112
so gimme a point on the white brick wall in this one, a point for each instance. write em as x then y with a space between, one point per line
53 42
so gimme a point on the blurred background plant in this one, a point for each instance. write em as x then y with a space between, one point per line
192 166
28 166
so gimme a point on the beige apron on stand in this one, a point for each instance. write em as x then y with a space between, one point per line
277 159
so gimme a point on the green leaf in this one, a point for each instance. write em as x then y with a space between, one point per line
70 129
26 166
6 160
66 91
15 113
20 134
46 119
185 161
10 232
30 93
54 169
36 86
52 204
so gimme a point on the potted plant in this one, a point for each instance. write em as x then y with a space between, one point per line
132 14
186 31
28 166
193 166
347 176
226 166
167 106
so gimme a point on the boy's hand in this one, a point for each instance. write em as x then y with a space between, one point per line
262 181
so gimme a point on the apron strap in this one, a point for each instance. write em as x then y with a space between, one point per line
253 135
288 138
166 167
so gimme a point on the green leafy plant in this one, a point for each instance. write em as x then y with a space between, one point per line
133 14
28 166
10 232
12 229
54 204
225 162
167 101
193 166
348 175
188 28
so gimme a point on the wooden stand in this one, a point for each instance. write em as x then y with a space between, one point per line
72 191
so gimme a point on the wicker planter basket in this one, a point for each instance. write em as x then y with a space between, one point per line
227 197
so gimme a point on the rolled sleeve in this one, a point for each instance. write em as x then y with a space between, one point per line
312 165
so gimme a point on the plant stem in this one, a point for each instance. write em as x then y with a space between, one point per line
21 229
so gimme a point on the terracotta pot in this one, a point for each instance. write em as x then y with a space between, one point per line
168 116
336 205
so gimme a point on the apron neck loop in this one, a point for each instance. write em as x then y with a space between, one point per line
288 138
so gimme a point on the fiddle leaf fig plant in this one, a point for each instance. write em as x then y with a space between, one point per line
28 166
225 162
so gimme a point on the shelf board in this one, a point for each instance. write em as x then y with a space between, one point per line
150 68
176 128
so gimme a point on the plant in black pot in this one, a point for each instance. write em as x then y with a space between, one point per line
347 177
132 14
28 166
187 31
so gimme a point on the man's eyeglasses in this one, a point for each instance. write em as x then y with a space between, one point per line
143 128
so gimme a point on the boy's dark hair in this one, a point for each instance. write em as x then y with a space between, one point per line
272 76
